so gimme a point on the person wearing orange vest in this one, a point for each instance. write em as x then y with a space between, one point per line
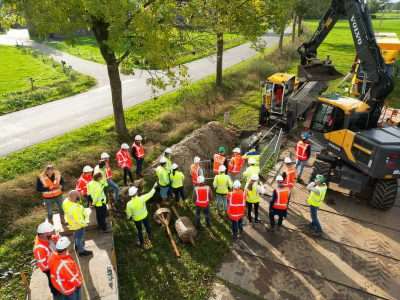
279 203
65 274
219 159
45 244
105 168
289 174
202 195
195 170
303 153
236 208
124 161
235 164
138 154
50 183
81 184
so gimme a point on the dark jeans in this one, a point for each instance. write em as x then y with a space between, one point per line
146 224
127 172
101 215
314 219
53 290
277 212
139 166
206 211
179 194
49 204
115 189
79 240
250 208
237 226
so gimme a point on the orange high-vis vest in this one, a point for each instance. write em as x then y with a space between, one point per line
42 252
81 184
236 205
195 173
235 164
139 149
301 150
108 171
124 159
290 179
65 274
202 195
54 187
219 160
282 198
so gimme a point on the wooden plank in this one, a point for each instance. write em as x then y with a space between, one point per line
39 286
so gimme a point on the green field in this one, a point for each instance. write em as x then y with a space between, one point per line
18 65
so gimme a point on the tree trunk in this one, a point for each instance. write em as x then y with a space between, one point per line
281 36
220 53
300 26
294 28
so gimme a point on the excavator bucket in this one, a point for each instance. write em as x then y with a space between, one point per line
318 71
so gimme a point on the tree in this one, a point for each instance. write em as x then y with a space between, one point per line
122 28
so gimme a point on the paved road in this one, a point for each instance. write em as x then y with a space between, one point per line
34 125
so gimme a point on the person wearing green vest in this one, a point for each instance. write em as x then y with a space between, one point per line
253 191
177 178
318 190
77 220
222 184
163 179
136 210
96 191
252 169
253 153
168 159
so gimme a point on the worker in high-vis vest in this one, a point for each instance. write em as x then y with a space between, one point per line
202 195
289 173
96 190
253 190
252 153
124 161
279 203
50 183
168 159
222 184
252 169
81 184
236 208
163 178
136 210
177 178
235 164
45 244
318 189
196 170
105 168
219 159
65 274
138 154
78 220
303 153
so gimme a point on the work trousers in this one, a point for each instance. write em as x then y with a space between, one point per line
56 294
315 225
237 226
139 229
221 202
74 296
179 194
277 212
249 210
79 239
49 204
115 189
127 172
139 166
101 215
300 167
206 211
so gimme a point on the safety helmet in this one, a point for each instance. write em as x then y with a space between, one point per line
132 191
168 151
236 184
305 135
196 159
200 179
138 137
163 160
252 161
87 169
45 227
236 150
104 155
174 166
279 178
221 149
320 178
254 177
63 243
287 160
221 169
125 146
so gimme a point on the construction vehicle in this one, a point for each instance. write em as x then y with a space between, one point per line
354 152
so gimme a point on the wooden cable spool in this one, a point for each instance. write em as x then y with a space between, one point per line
185 228
163 216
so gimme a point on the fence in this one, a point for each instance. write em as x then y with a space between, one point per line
270 153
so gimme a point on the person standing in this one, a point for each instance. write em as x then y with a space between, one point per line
253 153
138 154
253 191
45 244
168 159
50 183
202 196
235 164
279 203
77 220
303 153
81 184
289 173
163 179
177 178
136 210
196 170
318 190
124 161
236 208
65 274
105 168
252 169
96 190
222 184
219 159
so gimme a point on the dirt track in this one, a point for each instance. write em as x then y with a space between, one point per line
358 256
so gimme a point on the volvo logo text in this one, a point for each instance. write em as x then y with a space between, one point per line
356 31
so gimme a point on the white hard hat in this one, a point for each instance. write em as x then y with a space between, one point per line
174 166
168 150
125 146
287 160
87 169
63 243
252 161
104 155
138 137
236 150
221 168
132 191
45 227
279 178
200 179
196 159
236 184
163 160
254 177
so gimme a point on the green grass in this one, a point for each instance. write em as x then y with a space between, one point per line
50 81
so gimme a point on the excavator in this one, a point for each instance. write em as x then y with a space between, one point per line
353 151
